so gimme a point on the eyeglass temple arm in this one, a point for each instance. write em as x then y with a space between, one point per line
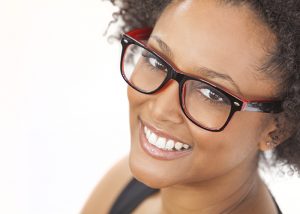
266 107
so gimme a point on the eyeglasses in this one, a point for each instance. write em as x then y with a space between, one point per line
203 103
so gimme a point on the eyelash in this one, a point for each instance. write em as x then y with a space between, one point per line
213 101
223 102
148 57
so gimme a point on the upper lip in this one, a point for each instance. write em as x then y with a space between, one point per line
162 133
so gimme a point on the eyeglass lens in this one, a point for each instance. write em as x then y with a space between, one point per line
202 103
142 69
205 105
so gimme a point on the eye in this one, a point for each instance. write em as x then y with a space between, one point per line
212 95
153 61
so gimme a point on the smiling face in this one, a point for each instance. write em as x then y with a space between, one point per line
202 35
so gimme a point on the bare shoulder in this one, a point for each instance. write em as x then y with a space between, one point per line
108 188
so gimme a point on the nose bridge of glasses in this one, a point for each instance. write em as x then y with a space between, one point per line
178 77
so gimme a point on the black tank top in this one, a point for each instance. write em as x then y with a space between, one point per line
134 193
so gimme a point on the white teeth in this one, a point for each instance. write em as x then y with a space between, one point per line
152 139
163 143
178 146
170 145
186 146
148 133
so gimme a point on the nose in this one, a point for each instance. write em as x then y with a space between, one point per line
164 105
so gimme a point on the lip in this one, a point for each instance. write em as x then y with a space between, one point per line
155 152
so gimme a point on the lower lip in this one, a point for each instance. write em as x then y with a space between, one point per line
157 153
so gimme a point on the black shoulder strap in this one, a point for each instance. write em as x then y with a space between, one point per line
131 196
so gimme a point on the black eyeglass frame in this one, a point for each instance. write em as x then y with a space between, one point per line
237 104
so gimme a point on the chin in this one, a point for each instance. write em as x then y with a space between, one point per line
148 175
152 172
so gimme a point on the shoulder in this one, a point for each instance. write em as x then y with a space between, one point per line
108 189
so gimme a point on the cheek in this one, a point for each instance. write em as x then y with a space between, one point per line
247 127
137 102
135 98
242 136
223 151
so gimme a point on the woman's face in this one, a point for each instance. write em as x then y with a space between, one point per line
229 40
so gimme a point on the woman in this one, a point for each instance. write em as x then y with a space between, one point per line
213 85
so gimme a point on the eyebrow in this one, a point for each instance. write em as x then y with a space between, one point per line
213 74
163 46
209 73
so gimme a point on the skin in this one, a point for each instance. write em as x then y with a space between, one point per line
220 174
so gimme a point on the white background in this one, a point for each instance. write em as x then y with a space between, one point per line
63 107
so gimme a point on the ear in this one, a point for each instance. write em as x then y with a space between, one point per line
272 135
267 142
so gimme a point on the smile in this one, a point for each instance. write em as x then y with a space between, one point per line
164 143
160 145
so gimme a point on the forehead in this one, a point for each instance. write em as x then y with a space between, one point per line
228 39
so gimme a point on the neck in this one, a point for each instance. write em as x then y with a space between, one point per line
220 195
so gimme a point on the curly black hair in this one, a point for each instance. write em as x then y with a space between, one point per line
282 17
